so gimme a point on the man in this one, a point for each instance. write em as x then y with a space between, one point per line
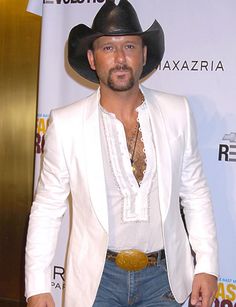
126 154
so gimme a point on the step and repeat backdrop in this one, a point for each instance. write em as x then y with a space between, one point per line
199 62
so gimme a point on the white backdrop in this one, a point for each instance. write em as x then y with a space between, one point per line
199 62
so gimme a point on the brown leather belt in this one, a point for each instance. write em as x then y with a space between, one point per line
134 260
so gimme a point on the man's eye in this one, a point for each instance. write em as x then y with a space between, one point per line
130 46
107 48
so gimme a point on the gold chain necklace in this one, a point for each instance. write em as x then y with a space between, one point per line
136 139
133 152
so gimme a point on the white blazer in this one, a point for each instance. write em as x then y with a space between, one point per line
73 164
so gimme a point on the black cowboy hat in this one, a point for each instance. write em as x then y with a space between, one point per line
113 20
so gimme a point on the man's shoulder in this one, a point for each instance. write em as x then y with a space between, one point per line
77 108
162 97
173 108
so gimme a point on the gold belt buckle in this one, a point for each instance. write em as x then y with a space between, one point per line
131 260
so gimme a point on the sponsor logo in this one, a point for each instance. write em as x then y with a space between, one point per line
194 65
58 280
227 151
71 1
41 127
226 294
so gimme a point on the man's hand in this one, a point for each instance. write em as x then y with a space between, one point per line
203 290
41 300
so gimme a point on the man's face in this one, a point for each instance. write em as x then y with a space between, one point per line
118 61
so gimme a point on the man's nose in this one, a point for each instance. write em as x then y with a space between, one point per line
120 55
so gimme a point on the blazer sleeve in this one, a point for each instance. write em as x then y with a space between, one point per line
46 215
196 201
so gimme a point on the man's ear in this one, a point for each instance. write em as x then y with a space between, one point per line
144 55
91 61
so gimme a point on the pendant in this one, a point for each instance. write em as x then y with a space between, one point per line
132 166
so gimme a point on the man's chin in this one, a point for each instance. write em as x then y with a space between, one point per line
120 86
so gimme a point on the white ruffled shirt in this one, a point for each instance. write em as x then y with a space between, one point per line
133 210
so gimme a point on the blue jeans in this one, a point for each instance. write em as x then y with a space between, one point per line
145 288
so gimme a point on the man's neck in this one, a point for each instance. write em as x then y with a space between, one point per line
122 103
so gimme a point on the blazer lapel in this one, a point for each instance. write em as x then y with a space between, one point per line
94 161
164 168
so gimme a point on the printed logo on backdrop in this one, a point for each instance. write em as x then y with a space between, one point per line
58 281
192 65
227 149
41 127
71 1
226 294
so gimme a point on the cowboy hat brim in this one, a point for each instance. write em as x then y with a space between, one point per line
82 37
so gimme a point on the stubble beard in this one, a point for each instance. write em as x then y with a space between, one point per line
115 85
